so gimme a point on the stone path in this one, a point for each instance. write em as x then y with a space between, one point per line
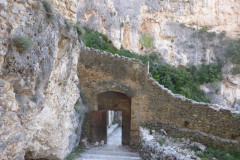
113 150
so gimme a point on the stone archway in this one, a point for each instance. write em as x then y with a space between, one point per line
115 101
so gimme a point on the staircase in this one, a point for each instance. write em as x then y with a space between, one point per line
109 155
113 150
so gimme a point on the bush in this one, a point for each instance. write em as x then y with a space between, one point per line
219 154
211 35
22 43
233 51
182 25
48 7
147 41
98 41
80 29
68 24
203 30
186 80
222 34
191 46
236 70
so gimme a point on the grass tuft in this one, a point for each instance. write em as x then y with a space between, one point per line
68 24
75 153
203 30
147 41
22 43
80 30
162 141
48 7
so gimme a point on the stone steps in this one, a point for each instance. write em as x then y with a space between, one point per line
109 153
89 156
134 154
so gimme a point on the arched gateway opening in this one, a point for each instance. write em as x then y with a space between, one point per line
111 101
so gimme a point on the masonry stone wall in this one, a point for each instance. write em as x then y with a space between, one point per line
150 102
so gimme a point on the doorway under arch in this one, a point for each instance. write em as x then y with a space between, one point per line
114 101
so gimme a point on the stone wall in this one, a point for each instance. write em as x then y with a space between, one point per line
150 102
194 135
151 149
39 86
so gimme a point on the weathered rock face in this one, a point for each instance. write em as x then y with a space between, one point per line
226 92
173 26
124 21
38 87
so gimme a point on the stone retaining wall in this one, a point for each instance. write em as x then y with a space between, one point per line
195 136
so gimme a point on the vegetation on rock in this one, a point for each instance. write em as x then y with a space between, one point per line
218 154
48 7
147 41
180 80
75 153
68 24
22 43
233 54
79 29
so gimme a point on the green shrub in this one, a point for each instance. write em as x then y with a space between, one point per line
236 70
236 115
98 41
68 24
150 132
211 35
219 154
233 51
153 57
162 141
147 41
191 46
121 24
186 80
75 153
182 25
48 7
80 29
203 30
222 34
22 43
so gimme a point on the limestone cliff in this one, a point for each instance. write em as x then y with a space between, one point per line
38 86
182 32
41 111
